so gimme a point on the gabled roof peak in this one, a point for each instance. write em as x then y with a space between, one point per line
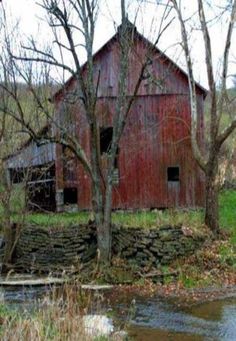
134 34
127 25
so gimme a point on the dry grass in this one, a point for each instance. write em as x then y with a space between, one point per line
58 318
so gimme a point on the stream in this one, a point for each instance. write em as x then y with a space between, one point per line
159 320
155 318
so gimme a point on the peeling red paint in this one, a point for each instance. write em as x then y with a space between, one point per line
156 136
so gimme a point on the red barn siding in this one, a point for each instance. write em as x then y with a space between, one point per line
156 135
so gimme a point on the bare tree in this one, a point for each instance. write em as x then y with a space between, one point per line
219 102
10 202
71 19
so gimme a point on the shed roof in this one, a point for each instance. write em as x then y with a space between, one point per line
31 154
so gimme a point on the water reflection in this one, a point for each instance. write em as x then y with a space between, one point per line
22 297
157 320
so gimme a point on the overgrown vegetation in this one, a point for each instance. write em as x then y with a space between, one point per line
59 316
215 263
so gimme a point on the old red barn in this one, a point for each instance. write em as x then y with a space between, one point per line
155 167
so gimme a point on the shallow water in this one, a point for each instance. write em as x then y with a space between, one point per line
155 319
159 320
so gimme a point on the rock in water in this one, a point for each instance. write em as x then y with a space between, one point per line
98 325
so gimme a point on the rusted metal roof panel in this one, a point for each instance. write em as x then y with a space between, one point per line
32 155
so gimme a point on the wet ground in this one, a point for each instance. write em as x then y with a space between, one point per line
155 318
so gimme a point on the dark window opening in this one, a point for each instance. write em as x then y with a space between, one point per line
46 172
116 174
32 174
17 175
105 139
173 173
70 196
105 147
41 196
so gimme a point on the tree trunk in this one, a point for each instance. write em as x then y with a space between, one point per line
103 229
9 230
9 237
104 241
212 206
108 209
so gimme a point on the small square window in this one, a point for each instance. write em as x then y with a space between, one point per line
70 196
173 173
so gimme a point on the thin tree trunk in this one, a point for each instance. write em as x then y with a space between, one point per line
108 210
212 193
9 232
9 237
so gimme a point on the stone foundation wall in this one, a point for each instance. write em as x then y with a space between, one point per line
45 249
50 248
155 246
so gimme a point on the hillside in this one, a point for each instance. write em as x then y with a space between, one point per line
13 132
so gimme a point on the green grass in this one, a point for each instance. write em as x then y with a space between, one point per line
227 204
146 219
126 219
191 218
58 219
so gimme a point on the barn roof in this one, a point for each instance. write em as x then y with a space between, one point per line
148 43
31 154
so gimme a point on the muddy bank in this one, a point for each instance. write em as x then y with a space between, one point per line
177 296
187 297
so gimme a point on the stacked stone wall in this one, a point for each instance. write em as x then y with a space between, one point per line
155 246
45 249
